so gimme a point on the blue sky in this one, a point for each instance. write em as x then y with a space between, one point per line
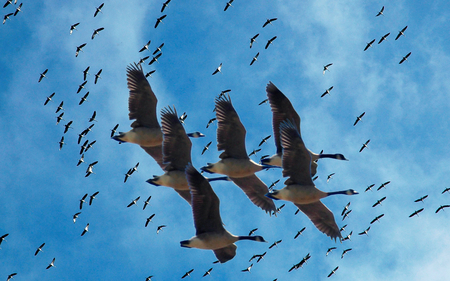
407 120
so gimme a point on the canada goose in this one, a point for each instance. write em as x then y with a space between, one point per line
235 162
252 231
92 197
146 202
8 2
260 257
343 228
263 102
90 145
127 175
98 9
325 68
145 46
273 184
73 27
149 219
67 126
159 20
377 218
404 58
446 190
269 21
83 200
165 5
345 252
282 109
264 140
384 37
49 98
92 119
401 32
255 58
441 208
60 107
155 59
275 244
89 170
364 145
85 73
345 208
333 271
369 45
301 263
86 229
2 238
329 250
59 118
96 32
83 146
228 5
81 160
133 202
369 187
113 130
253 40
327 91
52 264
159 49
218 69
383 185
247 269
346 214
182 117
300 232
7 17
416 213
160 228
208 272
421 198
42 75
365 231
79 49
300 188
83 99
270 42
380 12
61 143
11 276
210 122
254 152
75 216
142 60
149 74
145 131
359 118
149 278
97 76
330 176
188 273
379 202
210 233
348 236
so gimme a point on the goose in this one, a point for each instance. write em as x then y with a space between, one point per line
61 143
300 188
269 21
113 130
79 49
210 122
159 20
208 272
133 202
333 271
264 140
75 216
42 75
60 107
83 146
275 244
345 252
401 32
90 168
146 202
282 109
270 42
8 2
81 160
252 231
218 69
160 228
327 91
6 17
253 40
235 162
369 187
127 175
330 176
359 118
345 208
90 145
49 98
447 189
188 273
441 208
300 232
145 46
247 269
416 213
329 250
67 126
83 200
325 68
348 236
155 58
149 219
260 257
379 202
369 45
210 233
383 185
377 218
59 118
421 198
97 76
92 119
83 99
384 37
380 12
149 74
228 5
364 145
11 276
182 117
52 264
405 58
86 73
255 58
39 249
273 184
254 152
96 32
145 131
365 231
159 49
73 27
92 197
206 147
2 238
346 214
86 229
165 5
98 9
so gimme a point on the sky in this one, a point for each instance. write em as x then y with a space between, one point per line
407 108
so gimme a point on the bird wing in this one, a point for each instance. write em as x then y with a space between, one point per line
176 144
282 109
156 152
142 101
296 158
226 253
230 131
205 203
322 218
255 189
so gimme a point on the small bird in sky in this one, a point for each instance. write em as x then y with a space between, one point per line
92 197
75 216
364 145
343 228
133 202
327 92
416 213
325 68
60 107
401 32
81 86
384 37
155 59
210 122
159 228
380 12
253 40
379 202
441 208
149 219
146 202
446 190
187 274
228 5
98 9
73 27
49 98
345 252
42 75
149 74
208 272
81 160
6 17
127 175
369 187
333 271
52 264
275 244
254 152
269 21
165 5
206 147
348 236
252 231
79 49
86 229
142 60
383 185
83 200
421 198
264 101
264 140
86 72
405 58
18 9
182 117
359 118
369 45
159 49
346 214
92 119
97 76
8 2
146 46
39 249
255 58
300 232
61 143
330 176
377 218
11 276
345 208
159 20
96 32
218 69
247 269
270 42
273 184
83 99
329 250
113 130
365 231
67 126
90 168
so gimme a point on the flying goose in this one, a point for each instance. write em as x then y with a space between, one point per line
384 37
145 131
282 109
210 233
42 75
300 188
176 154
98 9
52 264
333 271
218 69
228 5
49 98
73 27
96 32
165 5
97 76
253 40
39 249
145 46
401 32
159 20
369 45
235 162
269 21
380 12
79 48
325 68
269 42
404 58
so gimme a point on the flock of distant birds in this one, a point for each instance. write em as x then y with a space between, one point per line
170 146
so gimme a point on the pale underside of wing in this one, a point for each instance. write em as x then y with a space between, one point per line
156 153
226 253
230 131
255 189
176 144
142 101
205 203
282 109
321 217
296 158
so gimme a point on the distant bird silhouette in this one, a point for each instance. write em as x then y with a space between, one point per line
206 147
146 46
345 252
73 27
6 17
269 21
188 273
39 249
401 32
210 122
113 130
405 58
343 228
380 12
384 37
146 202
218 69
8 2
18 9
90 169
159 228
155 59
369 45
377 218
149 219
254 152
75 216
159 49
49 98
98 9
345 208
365 231
416 213
270 42
133 202
159 20
329 250
264 140
264 101
248 268
346 214
52 264
208 272
81 160
149 74
369 187
252 231
92 197
11 276
359 118
348 236
97 76
96 32
275 244
383 185
446 190
253 40
79 49
83 200
83 99
61 143
165 5
42 75
327 92
228 5
421 198
333 271
3 238
299 233
81 86
325 68
379 202
85 73
255 58
86 229
92 119
330 176
127 175
60 107
441 208
364 145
